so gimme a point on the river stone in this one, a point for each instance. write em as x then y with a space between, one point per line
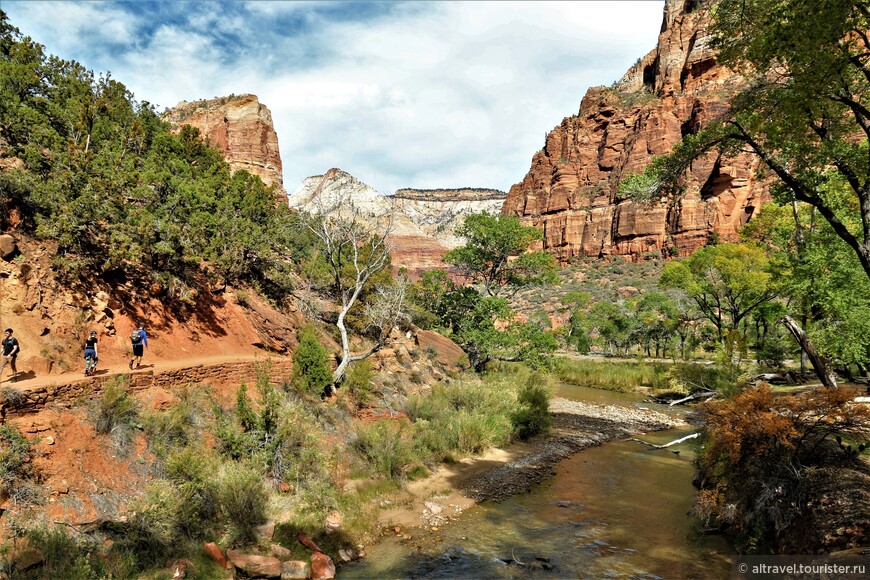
214 552
255 566
322 567
294 570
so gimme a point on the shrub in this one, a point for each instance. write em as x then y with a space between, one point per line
11 396
190 470
311 369
763 455
358 381
115 409
152 530
533 416
67 557
243 500
174 427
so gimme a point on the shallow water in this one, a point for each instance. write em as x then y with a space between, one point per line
615 511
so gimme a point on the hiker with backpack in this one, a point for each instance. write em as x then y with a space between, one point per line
140 341
91 354
11 348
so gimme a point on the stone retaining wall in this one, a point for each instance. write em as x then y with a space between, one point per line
35 398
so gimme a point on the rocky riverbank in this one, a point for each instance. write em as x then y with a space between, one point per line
501 473
577 425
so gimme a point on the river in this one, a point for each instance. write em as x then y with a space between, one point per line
620 510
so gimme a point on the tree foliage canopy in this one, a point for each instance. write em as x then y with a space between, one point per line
726 281
486 257
105 178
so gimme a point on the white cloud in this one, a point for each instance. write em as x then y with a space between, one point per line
435 94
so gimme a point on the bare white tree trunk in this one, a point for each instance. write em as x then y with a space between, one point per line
355 250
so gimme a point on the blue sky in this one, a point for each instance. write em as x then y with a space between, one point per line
399 94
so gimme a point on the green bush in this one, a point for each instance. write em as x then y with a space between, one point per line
153 524
173 428
358 381
71 558
533 416
312 372
190 470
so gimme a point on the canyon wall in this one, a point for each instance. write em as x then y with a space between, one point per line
241 128
571 189
437 212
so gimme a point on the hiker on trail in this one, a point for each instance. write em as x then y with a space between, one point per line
10 353
140 342
91 354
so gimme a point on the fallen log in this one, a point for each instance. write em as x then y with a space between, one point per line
703 395
674 442
821 364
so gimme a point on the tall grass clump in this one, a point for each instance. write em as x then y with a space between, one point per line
175 427
116 413
466 416
243 500
623 376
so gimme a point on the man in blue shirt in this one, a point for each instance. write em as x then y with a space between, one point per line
140 342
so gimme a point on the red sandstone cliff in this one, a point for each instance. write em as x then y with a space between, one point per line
571 190
241 128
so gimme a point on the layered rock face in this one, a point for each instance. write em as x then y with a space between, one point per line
438 212
423 220
241 128
571 190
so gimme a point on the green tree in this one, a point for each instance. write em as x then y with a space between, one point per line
655 314
613 324
496 254
495 258
123 196
828 290
726 282
312 372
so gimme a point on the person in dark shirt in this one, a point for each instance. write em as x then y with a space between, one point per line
91 354
10 353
